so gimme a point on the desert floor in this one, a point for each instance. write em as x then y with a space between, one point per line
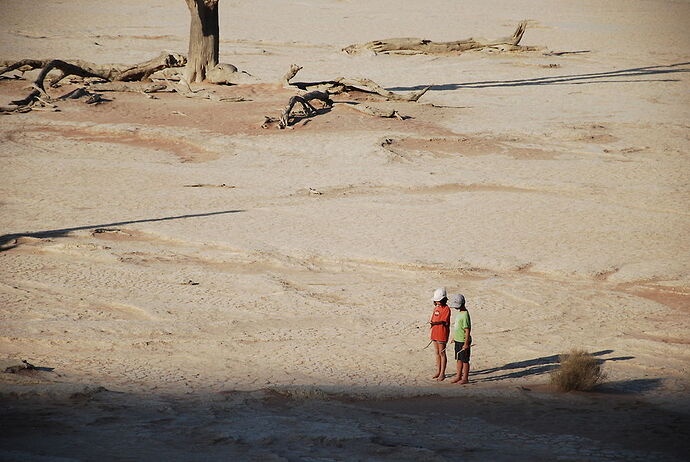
192 286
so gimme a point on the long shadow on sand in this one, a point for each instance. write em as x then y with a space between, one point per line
274 424
633 386
573 79
4 239
536 366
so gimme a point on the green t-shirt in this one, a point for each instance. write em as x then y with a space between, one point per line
462 322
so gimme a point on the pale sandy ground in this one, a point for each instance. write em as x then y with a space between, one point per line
248 318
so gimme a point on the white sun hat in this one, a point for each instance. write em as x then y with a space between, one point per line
456 301
439 294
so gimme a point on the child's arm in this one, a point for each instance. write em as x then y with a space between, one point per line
466 345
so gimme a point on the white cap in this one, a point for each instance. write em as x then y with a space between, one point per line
439 294
456 301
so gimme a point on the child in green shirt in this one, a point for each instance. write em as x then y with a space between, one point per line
461 336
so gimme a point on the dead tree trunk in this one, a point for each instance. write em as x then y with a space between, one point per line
204 39
409 45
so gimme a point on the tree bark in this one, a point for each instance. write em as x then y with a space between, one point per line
343 84
409 45
204 38
304 100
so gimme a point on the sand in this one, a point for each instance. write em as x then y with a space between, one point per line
263 293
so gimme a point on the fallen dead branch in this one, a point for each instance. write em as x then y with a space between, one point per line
35 101
91 98
294 69
184 89
22 66
205 185
375 111
128 87
343 84
304 100
322 91
220 74
373 87
117 76
410 45
108 72
80 68
14 109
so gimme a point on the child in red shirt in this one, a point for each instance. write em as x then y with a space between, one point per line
440 328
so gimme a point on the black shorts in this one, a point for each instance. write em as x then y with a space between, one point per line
463 356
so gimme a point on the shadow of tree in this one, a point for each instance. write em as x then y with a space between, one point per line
536 366
6 238
573 79
630 386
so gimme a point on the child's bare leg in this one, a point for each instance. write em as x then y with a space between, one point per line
444 361
465 373
458 376
438 359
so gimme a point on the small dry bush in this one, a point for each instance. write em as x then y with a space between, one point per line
579 371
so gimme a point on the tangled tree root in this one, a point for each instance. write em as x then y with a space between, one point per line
80 68
304 100
323 91
108 72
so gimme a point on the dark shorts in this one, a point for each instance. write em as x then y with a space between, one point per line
463 356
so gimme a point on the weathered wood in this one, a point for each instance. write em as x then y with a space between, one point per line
304 100
129 87
410 45
343 84
375 111
30 99
184 89
14 109
223 74
22 65
81 92
294 69
325 89
109 72
373 87
204 39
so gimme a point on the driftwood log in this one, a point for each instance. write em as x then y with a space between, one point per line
409 45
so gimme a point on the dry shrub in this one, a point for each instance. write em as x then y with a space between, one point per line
579 371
